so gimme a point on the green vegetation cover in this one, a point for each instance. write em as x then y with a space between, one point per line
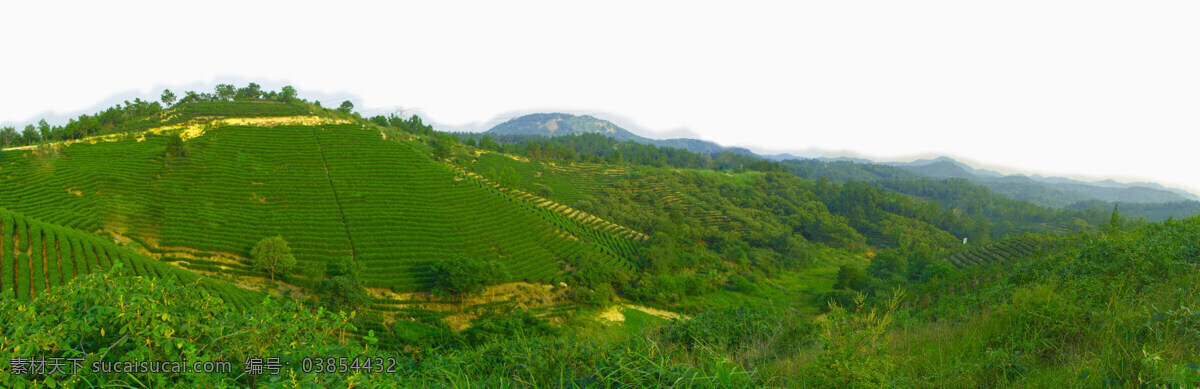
156 231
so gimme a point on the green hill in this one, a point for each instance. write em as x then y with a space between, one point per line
337 192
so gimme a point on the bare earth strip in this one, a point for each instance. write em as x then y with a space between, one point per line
613 313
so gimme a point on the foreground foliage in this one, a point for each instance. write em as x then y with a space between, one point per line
113 317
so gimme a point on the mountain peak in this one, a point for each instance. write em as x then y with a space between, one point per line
559 124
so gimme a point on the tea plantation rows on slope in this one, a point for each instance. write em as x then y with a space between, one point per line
1002 251
36 256
333 192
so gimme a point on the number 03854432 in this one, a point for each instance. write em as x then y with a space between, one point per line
341 365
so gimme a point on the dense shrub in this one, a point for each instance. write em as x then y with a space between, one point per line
342 293
466 275
600 295
493 326
725 329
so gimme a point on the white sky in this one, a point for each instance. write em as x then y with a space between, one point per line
1090 88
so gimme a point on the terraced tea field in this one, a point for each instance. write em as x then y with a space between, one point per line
36 256
334 192
569 183
572 182
1002 251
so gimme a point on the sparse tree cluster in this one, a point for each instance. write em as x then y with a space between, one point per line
227 92
117 118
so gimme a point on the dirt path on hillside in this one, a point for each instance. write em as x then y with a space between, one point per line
613 313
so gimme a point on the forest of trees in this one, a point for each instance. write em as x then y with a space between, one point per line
859 192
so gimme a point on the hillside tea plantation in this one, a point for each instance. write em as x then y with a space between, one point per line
36 257
338 192
996 252
248 226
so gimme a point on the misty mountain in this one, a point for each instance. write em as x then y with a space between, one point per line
562 124
1053 191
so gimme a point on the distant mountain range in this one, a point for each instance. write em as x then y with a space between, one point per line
1049 191
560 124
1056 192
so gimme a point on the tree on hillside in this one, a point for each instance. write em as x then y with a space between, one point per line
487 143
1114 223
30 135
346 107
466 275
168 97
273 255
441 150
175 146
250 92
8 136
288 93
659 255
348 267
509 177
888 264
225 92
342 293
44 129
851 277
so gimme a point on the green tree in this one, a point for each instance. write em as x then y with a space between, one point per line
509 177
441 147
487 143
30 135
466 275
343 293
659 255
350 268
288 93
225 92
8 136
346 107
888 264
44 129
273 255
250 92
851 277
168 97
1114 223
175 146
